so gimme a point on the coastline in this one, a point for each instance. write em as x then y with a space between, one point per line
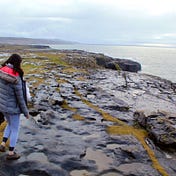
84 119
152 59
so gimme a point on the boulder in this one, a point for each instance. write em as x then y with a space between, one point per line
124 64
161 127
129 65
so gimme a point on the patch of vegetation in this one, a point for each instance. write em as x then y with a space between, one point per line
54 58
78 117
66 106
118 67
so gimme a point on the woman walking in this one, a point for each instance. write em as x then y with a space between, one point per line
12 102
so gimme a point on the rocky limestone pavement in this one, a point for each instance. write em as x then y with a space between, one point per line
88 126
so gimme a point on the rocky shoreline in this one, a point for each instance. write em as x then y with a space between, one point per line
90 121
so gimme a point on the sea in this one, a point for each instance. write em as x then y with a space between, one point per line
157 61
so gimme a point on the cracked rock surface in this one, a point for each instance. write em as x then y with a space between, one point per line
88 126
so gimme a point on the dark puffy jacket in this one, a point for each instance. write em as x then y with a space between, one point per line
11 93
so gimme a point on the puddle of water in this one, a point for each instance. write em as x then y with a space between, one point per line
102 161
92 136
79 173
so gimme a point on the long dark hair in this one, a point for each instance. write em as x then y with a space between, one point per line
15 60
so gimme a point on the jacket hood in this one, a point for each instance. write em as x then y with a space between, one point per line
7 74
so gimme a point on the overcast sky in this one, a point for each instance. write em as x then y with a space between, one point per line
91 21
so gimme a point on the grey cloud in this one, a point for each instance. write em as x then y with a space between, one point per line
85 22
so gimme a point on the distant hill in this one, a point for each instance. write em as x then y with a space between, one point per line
30 41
